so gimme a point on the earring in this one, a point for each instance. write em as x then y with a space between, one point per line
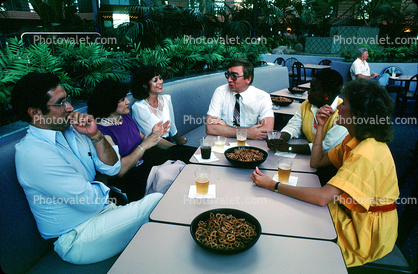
326 98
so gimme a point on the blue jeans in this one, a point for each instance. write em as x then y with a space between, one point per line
382 79
107 233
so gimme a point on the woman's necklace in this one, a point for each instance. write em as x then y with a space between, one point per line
113 121
152 105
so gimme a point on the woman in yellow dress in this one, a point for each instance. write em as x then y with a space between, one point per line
362 195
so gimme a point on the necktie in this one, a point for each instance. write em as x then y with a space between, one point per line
236 111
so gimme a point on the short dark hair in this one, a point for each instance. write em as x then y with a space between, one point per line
141 77
361 51
31 91
330 80
368 99
248 67
105 98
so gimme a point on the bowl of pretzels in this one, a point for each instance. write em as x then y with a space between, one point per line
225 230
281 101
245 156
295 90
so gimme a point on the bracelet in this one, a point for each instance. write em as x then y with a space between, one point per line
98 139
276 187
317 144
141 149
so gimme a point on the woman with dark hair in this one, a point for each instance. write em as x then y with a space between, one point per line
325 88
153 107
362 195
109 105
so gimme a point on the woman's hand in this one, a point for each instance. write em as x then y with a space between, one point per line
262 180
183 140
323 114
161 128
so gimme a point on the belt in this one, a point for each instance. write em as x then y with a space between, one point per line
383 208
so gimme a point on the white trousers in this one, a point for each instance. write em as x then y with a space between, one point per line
107 233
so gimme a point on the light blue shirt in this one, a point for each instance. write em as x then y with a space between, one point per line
58 178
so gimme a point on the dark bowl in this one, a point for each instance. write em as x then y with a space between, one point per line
296 90
227 211
244 164
282 104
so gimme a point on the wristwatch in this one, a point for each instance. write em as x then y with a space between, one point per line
276 187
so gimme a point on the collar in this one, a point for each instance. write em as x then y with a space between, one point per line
48 134
351 144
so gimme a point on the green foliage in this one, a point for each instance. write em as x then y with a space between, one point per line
81 67
381 54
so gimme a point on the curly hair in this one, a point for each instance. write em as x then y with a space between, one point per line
141 78
372 106
105 98
31 91
330 80
248 67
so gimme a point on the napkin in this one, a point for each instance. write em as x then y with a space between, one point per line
236 144
210 195
292 180
220 150
212 158
285 154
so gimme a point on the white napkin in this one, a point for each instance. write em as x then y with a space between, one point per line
292 180
210 195
212 158
285 154
236 144
220 150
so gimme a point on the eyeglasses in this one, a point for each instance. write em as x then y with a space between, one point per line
64 104
233 76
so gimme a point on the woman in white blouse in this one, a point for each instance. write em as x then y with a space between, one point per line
153 107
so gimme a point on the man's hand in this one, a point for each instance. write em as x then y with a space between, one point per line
278 144
256 133
84 124
215 121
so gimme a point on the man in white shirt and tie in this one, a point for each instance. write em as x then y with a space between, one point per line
240 105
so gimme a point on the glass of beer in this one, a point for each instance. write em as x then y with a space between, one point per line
220 142
241 136
202 180
272 135
284 168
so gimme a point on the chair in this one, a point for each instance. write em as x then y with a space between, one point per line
289 63
261 63
392 69
299 74
280 61
410 93
325 62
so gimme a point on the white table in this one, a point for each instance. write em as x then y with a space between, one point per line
316 67
277 213
301 163
163 248
287 110
286 93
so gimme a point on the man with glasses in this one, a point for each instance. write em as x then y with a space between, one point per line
240 105
56 165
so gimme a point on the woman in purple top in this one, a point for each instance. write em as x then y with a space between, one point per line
109 105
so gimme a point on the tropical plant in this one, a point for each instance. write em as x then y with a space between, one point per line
88 64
